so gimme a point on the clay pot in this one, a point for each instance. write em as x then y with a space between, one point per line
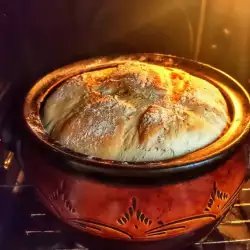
168 203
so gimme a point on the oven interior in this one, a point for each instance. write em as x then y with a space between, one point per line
40 36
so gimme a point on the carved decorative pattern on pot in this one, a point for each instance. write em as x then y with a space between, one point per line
157 232
136 213
134 224
59 195
216 197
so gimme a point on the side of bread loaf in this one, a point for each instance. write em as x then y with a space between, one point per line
135 112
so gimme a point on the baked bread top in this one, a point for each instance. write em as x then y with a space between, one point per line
135 112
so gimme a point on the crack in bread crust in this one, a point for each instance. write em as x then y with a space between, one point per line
136 112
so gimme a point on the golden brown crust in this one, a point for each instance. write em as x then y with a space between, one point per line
136 112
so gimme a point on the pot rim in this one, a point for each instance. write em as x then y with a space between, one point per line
237 98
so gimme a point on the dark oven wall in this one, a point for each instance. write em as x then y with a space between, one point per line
41 35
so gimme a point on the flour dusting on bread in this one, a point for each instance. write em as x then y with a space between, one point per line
136 112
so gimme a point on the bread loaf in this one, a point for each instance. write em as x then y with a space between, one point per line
135 112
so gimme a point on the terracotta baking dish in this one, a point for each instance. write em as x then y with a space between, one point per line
162 204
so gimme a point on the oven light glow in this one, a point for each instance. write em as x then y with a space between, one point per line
8 160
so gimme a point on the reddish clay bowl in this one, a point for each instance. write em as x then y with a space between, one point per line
170 203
